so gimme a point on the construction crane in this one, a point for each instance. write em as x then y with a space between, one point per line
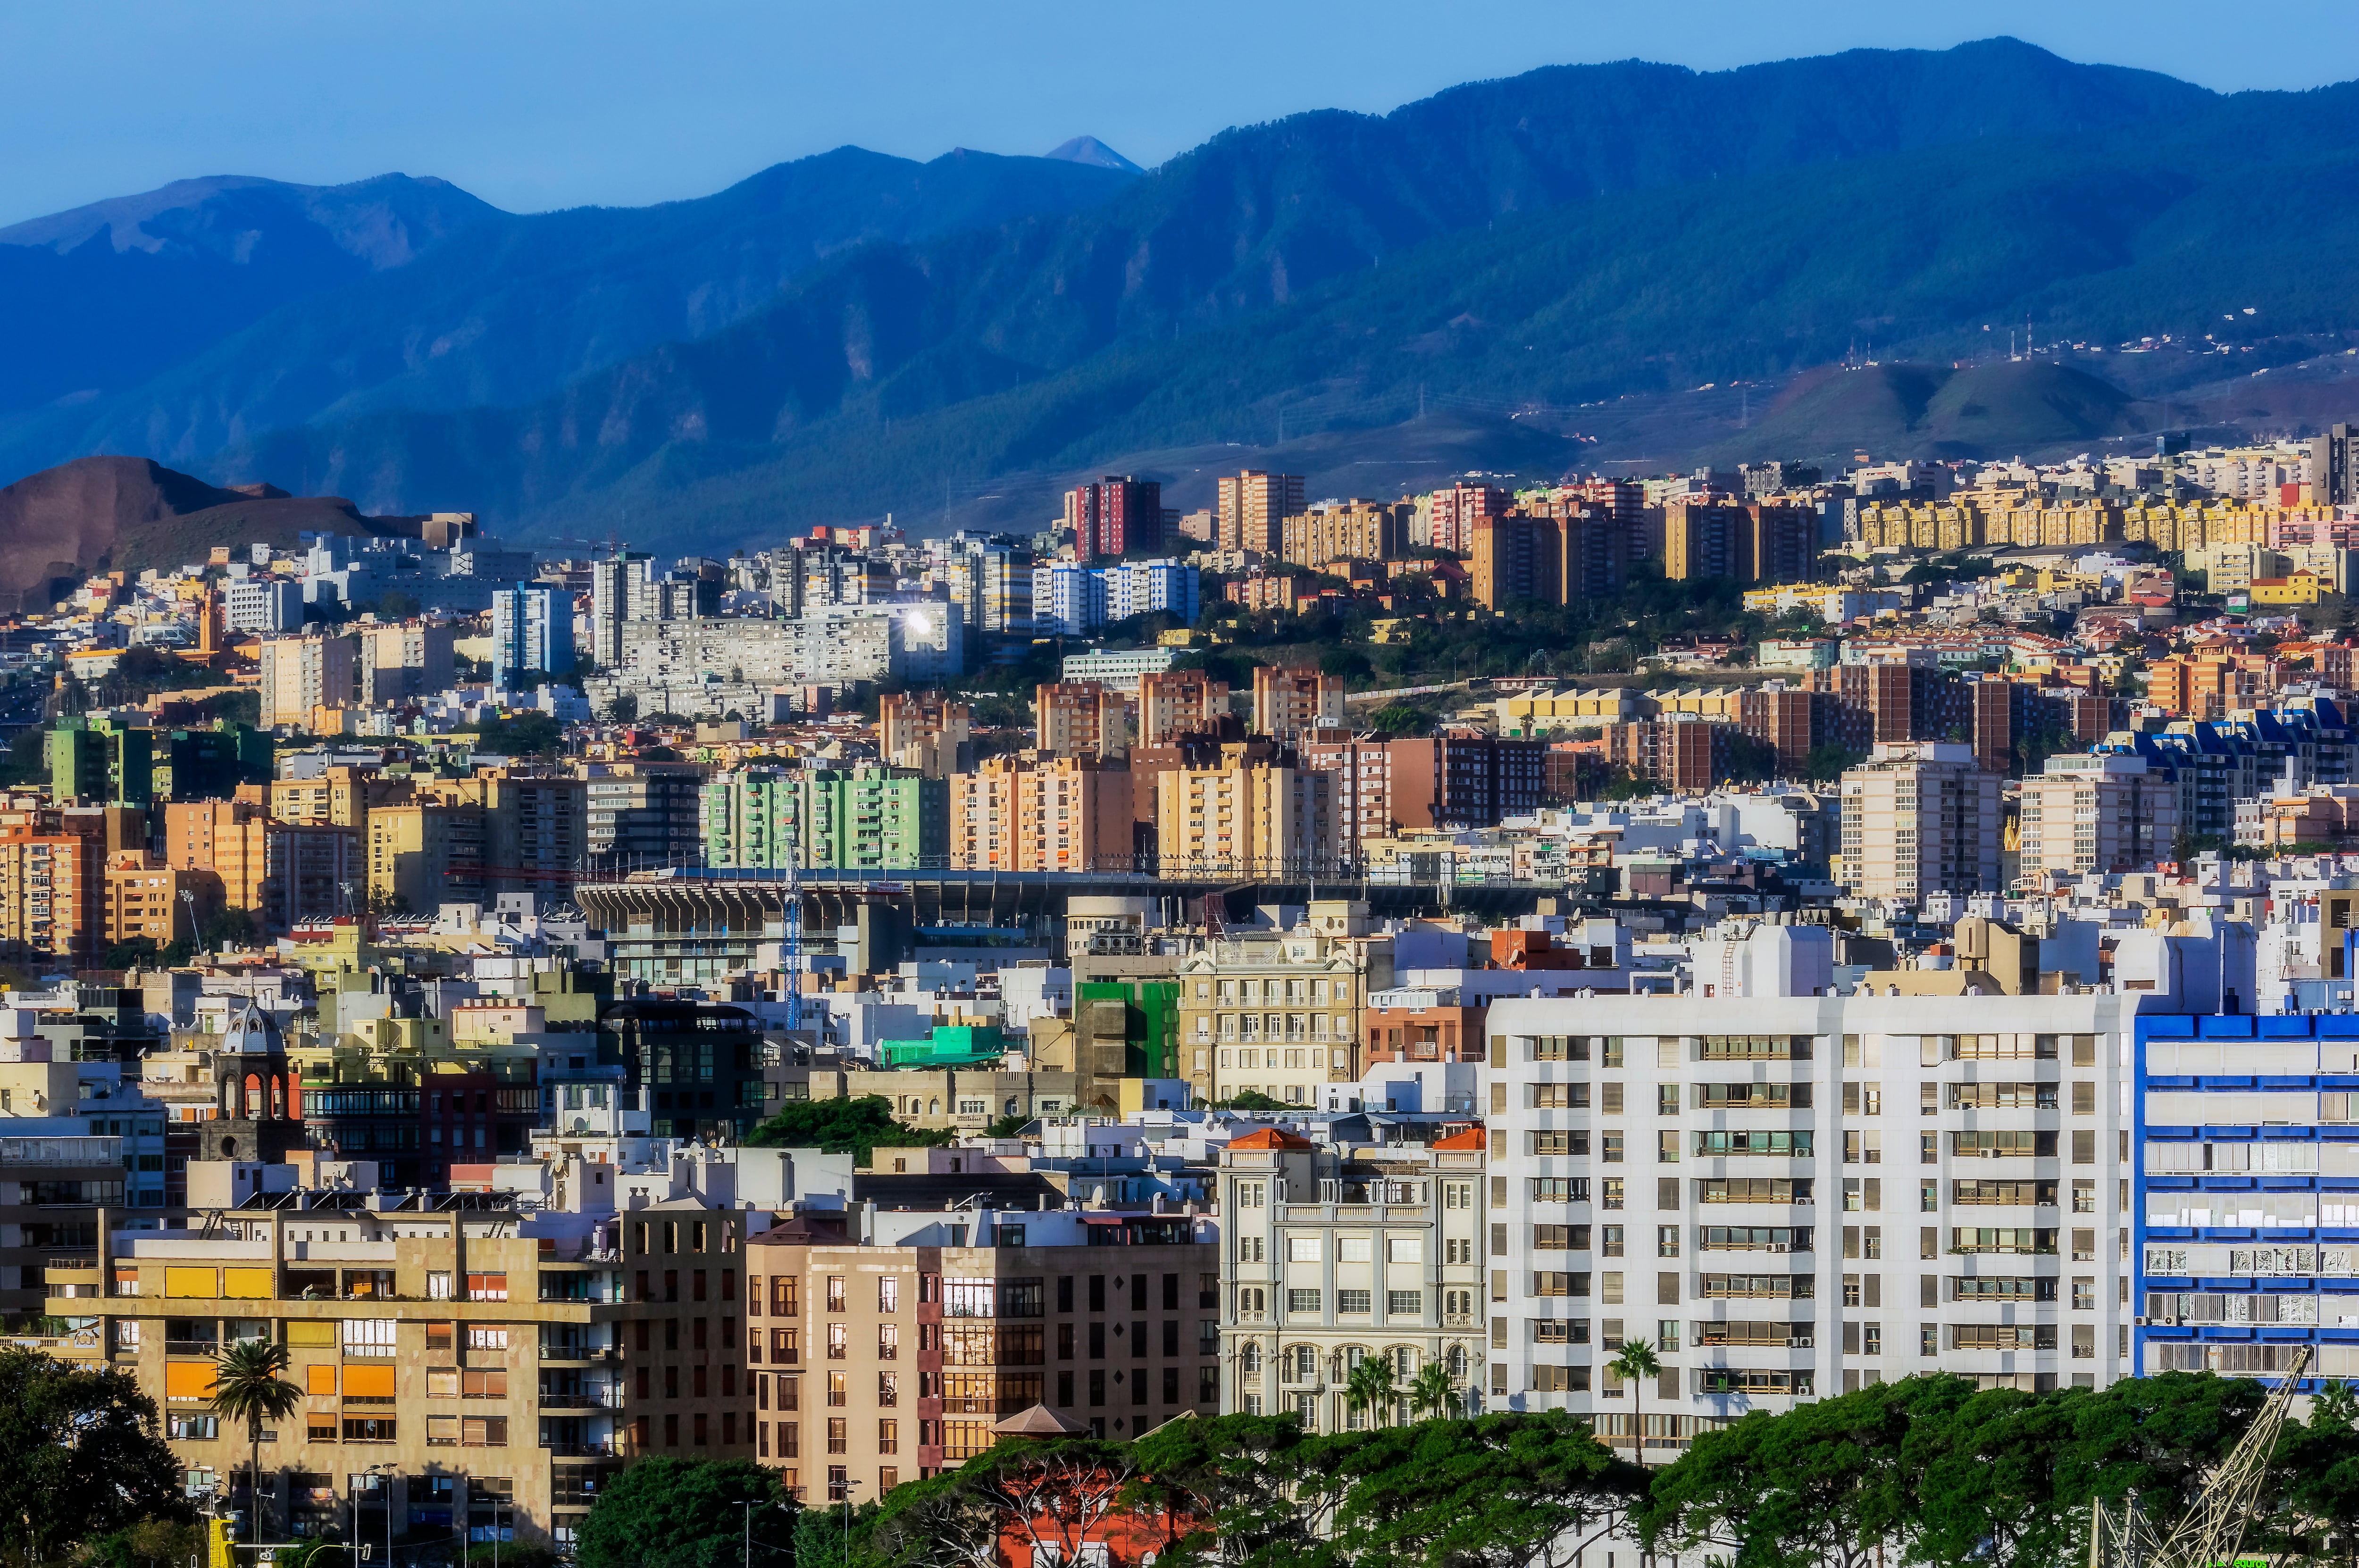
794 923
2214 1530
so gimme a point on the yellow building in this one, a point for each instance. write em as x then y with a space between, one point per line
2299 588
471 839
1546 712
495 1364
1034 813
300 674
1353 530
1242 814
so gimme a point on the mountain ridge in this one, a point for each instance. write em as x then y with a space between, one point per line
1573 233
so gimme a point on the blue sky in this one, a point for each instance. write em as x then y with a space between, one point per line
533 104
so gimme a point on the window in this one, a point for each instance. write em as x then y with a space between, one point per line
480 1431
1405 1303
373 1337
1353 1302
486 1337
487 1287
1302 1301
1750 1141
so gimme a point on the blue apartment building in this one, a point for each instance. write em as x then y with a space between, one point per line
2245 1224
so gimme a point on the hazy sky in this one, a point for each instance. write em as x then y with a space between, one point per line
533 104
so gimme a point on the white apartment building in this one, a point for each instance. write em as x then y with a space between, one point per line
1791 1197
1335 1255
263 604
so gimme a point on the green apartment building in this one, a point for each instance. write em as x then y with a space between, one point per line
863 819
752 819
99 761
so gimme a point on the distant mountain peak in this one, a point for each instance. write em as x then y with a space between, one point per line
1094 152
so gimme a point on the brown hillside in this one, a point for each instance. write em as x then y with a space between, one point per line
129 513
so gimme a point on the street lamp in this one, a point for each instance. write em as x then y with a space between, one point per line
848 1484
749 1505
387 1473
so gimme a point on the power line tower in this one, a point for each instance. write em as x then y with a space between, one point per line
2213 1529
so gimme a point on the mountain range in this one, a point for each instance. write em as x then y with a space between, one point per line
1542 272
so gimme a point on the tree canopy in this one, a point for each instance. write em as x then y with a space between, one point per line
842 1126
81 1456
684 1513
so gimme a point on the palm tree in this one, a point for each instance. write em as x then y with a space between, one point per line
1432 1391
248 1387
1634 1365
2336 1406
1370 1384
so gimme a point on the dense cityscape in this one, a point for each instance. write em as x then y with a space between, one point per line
583 1001
1608 821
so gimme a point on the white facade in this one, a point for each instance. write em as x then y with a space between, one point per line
1790 1197
1331 1257
263 604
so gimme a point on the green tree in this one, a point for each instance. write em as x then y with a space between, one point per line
1984 1470
522 735
1528 1489
2335 1405
1047 1493
1369 1388
1633 1364
248 1387
685 1513
1251 1099
160 1542
1344 663
623 708
81 1456
1431 1392
842 1126
1231 1482
1828 761
1819 1485
229 927
1007 1127
1399 718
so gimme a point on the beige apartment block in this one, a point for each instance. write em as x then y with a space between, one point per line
1280 1013
887 1358
462 1357
1920 817
1285 702
2095 813
1030 811
1333 1257
300 674
1242 815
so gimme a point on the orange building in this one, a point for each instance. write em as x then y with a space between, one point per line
1680 753
51 888
1031 813
2208 683
1179 702
141 896
1079 719
1439 1034
230 838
